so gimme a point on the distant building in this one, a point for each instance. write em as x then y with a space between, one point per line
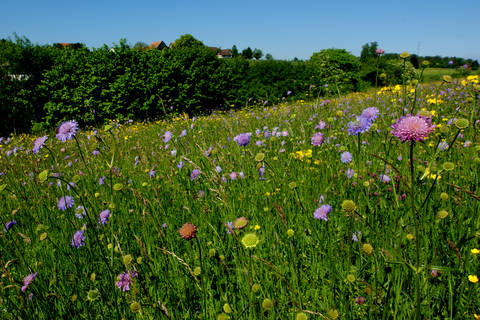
160 45
225 53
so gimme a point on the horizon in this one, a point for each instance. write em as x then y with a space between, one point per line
284 30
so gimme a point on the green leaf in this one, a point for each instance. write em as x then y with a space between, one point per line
2 187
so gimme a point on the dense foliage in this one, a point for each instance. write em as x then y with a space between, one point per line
42 85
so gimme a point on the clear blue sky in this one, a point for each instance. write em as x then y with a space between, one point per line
286 29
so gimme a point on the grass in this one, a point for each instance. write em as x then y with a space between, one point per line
257 251
436 74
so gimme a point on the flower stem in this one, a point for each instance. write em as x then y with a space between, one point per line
417 235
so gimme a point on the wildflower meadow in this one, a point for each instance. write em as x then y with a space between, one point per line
363 206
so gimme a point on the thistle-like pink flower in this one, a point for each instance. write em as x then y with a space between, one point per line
412 128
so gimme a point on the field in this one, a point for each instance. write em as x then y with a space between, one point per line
436 74
358 207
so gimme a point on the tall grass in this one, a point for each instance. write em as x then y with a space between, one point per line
277 261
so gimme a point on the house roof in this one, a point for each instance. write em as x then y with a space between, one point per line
226 52
156 44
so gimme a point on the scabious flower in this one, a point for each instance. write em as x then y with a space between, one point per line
218 169
350 173
95 152
370 114
27 280
412 128
67 130
322 212
125 280
233 175
346 157
104 216
100 180
38 144
242 139
9 225
78 239
384 178
194 174
360 125
65 202
180 164
167 136
317 139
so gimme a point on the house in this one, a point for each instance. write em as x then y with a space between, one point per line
160 45
225 53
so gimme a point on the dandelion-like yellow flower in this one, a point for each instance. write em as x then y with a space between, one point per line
473 278
475 251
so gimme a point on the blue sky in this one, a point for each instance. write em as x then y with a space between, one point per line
285 29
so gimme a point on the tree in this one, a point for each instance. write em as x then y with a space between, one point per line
257 54
368 51
247 53
187 41
268 56
234 51
140 45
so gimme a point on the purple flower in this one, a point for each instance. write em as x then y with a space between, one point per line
233 175
317 139
100 180
322 212
194 174
412 128
67 130
27 280
346 157
242 139
350 172
151 173
180 164
183 134
356 235
104 216
370 114
261 172
218 169
231 226
450 62
78 239
80 212
167 136
65 202
360 125
384 178
38 144
125 280
95 152
379 51
9 225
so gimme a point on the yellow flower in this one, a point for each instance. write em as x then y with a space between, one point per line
473 278
257 227
475 251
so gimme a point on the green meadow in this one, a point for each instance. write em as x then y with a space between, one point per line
317 209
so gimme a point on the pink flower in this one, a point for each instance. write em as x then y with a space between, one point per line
412 128
27 280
